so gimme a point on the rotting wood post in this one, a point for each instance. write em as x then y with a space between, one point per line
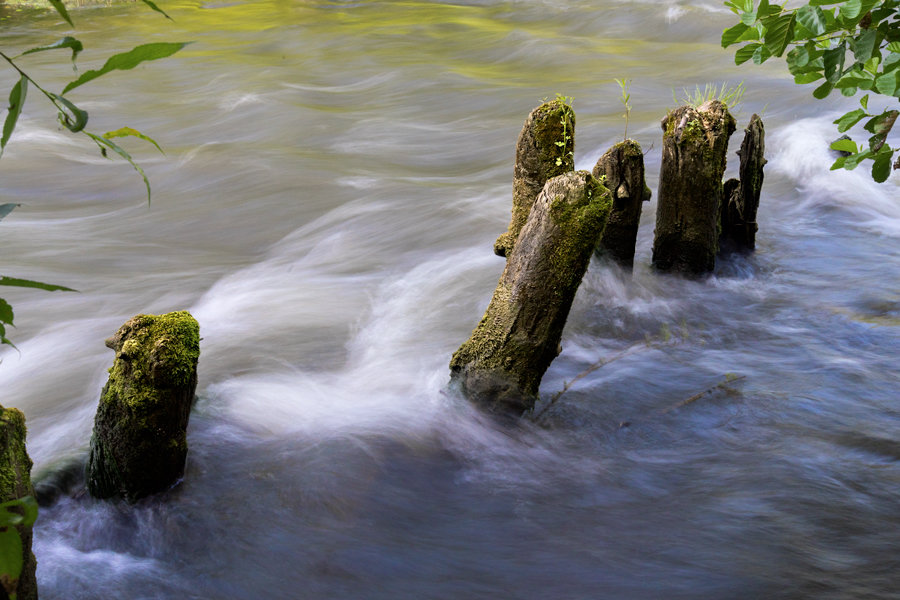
545 149
695 143
139 444
740 198
501 365
621 169
15 483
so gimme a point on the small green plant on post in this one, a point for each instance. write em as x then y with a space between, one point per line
565 144
730 96
624 84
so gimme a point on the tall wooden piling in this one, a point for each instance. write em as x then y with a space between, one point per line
139 444
740 198
545 149
501 365
695 142
621 169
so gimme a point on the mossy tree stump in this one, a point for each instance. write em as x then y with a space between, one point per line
740 198
139 444
695 143
501 365
15 483
621 170
545 149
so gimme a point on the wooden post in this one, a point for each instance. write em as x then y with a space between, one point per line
621 170
545 149
695 142
501 365
15 483
139 443
740 199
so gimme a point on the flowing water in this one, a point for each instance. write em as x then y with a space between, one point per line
335 175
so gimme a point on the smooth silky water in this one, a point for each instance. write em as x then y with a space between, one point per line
334 178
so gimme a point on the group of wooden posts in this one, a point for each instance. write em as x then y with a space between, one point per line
560 218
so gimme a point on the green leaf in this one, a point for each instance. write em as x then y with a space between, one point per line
26 283
881 169
66 42
888 83
16 102
5 209
807 78
844 145
10 559
824 2
104 142
129 60
812 18
6 312
61 9
839 163
847 121
128 131
864 102
823 90
72 117
761 55
733 34
780 33
864 44
797 58
834 62
157 9
29 507
851 162
893 47
745 53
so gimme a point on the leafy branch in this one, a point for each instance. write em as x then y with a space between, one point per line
844 45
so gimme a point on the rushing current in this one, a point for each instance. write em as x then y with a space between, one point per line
334 176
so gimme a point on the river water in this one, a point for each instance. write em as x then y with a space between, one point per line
334 176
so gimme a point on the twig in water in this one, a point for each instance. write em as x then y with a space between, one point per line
729 378
633 349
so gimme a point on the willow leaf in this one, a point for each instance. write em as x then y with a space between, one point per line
26 283
16 102
128 131
128 60
107 143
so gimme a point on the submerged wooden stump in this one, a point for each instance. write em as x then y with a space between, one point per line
740 198
695 142
545 149
15 483
501 365
621 170
139 444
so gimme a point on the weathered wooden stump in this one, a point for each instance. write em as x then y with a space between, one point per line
545 149
740 198
139 444
621 170
695 142
501 365
15 483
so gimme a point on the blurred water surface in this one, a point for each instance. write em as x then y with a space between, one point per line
335 175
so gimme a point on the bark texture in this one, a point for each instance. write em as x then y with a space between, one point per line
545 149
15 483
501 365
621 170
740 199
695 142
139 444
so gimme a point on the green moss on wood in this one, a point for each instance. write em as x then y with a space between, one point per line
139 442
502 363
545 149
15 483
